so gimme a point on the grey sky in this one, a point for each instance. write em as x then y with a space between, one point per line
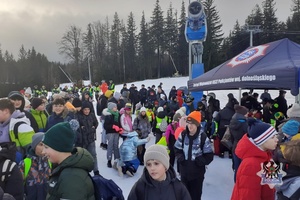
42 23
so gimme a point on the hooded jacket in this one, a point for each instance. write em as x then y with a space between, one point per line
238 127
40 118
70 179
128 149
248 184
142 123
147 189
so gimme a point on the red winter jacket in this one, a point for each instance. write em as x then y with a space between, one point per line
248 183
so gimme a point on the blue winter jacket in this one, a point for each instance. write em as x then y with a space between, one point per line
128 149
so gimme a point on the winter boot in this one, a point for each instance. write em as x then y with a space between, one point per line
109 164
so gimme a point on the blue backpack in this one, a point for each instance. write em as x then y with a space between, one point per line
106 189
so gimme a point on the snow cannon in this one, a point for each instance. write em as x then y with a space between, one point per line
195 29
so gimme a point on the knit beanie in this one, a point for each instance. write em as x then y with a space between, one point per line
143 109
259 131
15 95
111 105
176 117
108 93
157 152
60 137
127 106
36 139
294 111
194 118
85 104
240 109
291 127
77 102
36 102
117 95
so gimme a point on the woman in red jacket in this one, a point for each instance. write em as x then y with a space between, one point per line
254 149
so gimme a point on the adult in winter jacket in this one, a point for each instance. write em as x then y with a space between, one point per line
223 119
19 102
238 127
143 95
193 151
158 180
13 180
254 149
70 179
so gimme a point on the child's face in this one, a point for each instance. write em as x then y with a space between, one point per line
4 115
41 107
17 102
143 113
39 149
192 127
271 143
50 153
156 170
86 111
58 108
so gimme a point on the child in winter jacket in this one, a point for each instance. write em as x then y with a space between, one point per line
126 120
88 124
158 180
290 189
193 151
36 170
254 149
128 153
38 112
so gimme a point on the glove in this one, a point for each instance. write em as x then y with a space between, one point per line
116 128
120 131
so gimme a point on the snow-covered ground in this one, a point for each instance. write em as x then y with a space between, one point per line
218 181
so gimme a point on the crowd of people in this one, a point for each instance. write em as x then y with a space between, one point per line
48 141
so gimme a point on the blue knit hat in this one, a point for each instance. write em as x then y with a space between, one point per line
291 127
259 131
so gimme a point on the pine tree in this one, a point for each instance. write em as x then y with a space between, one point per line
157 32
214 36
183 46
270 22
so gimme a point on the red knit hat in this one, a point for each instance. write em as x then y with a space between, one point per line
194 118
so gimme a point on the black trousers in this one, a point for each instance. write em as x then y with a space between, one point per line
194 187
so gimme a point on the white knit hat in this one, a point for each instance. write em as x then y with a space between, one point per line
157 152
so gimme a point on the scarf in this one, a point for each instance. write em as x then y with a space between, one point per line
115 114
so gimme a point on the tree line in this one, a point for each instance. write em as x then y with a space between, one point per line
124 51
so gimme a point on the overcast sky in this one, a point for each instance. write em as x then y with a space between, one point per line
42 23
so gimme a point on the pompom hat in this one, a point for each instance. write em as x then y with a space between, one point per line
259 131
157 152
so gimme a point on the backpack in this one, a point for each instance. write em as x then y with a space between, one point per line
163 125
106 189
202 142
6 169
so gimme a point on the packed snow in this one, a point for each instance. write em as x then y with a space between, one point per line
218 182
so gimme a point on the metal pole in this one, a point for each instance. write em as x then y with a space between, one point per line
90 76
251 38
65 74
190 61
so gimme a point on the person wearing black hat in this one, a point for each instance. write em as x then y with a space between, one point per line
151 95
124 88
280 103
38 112
70 179
19 102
